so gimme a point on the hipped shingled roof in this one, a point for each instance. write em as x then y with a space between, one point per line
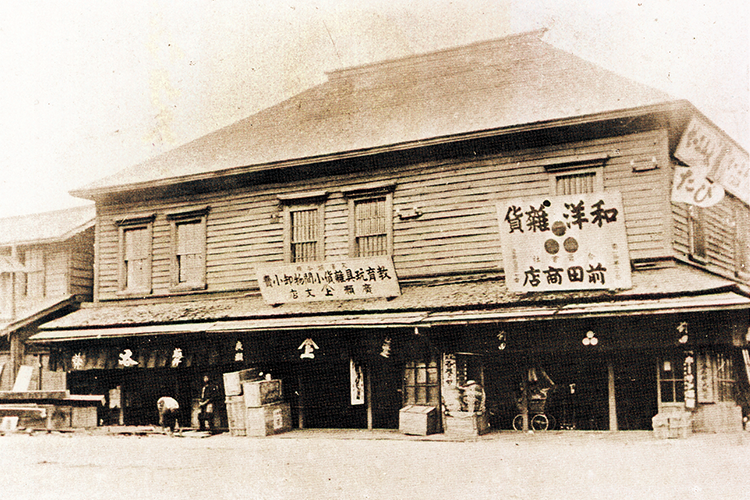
46 227
486 86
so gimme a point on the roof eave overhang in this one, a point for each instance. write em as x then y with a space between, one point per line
669 107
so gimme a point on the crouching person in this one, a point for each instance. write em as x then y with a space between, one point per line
168 410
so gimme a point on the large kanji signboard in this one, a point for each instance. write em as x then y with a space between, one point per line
361 278
573 242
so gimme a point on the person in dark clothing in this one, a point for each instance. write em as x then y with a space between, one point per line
207 404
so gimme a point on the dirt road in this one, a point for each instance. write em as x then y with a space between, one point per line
331 465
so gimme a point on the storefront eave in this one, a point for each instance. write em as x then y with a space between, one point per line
726 301
371 321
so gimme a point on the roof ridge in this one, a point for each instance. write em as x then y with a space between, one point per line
425 56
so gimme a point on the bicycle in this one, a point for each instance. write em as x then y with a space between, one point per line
538 419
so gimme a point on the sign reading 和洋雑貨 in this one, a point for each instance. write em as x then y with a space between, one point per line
356 278
571 242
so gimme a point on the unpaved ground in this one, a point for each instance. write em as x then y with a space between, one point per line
341 465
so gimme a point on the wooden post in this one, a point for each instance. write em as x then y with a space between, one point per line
611 391
525 400
368 395
300 404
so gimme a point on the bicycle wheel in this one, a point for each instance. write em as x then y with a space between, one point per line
518 422
552 422
540 422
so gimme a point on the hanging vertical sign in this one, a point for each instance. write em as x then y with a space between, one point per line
689 377
705 384
356 383
712 157
571 242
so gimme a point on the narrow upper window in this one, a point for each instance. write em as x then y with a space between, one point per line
742 241
35 285
135 254
696 234
371 221
576 175
304 226
188 256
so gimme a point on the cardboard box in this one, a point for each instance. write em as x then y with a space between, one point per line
269 419
418 420
233 380
261 392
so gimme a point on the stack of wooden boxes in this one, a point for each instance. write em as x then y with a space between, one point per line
254 405
265 412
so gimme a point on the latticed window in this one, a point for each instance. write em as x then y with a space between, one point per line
371 227
190 262
304 227
696 233
725 380
421 383
137 255
578 183
671 381
304 234
35 277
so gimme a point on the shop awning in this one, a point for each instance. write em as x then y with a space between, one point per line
386 320
700 303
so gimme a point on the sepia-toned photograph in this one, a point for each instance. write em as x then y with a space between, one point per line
389 249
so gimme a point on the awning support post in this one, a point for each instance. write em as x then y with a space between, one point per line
611 392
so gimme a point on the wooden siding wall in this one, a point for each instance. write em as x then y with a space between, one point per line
457 232
720 231
82 264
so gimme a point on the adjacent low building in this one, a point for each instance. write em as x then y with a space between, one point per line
483 232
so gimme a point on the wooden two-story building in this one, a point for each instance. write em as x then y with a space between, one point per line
503 213
46 271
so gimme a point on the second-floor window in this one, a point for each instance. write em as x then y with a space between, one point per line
742 241
188 256
696 234
371 221
576 175
34 284
304 226
135 254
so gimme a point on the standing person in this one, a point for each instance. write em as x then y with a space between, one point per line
209 395
168 410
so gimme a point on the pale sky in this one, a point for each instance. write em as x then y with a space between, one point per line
91 87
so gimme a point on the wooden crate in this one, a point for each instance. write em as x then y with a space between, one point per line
418 420
462 423
236 416
269 419
261 392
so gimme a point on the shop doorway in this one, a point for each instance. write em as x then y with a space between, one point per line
580 398
635 391
324 398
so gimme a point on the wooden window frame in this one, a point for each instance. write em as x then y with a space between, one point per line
145 222
39 271
303 201
742 242
675 360
364 193
576 165
196 216
697 236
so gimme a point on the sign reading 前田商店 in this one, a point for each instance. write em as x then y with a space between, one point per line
361 278
572 242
